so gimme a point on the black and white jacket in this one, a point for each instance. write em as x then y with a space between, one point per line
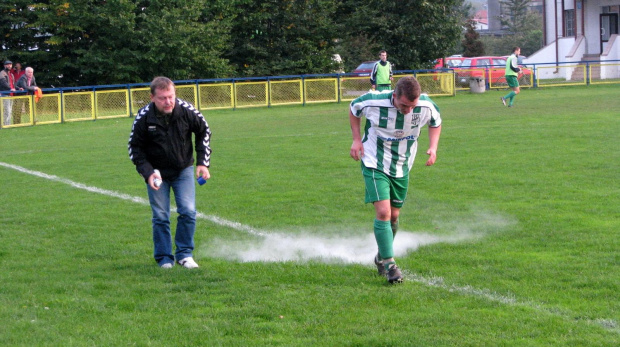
168 148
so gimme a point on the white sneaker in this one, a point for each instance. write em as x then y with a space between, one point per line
188 263
167 266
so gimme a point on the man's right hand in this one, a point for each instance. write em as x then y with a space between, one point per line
357 150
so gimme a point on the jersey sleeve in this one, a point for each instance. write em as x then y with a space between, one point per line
357 107
435 115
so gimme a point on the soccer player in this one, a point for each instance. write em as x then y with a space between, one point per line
387 151
381 75
512 73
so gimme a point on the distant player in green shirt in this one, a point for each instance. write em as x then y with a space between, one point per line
387 151
512 73
381 75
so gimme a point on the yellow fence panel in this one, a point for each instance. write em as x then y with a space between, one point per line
321 90
352 87
16 111
140 97
565 75
78 106
286 92
187 93
604 73
433 84
214 96
112 104
251 94
48 110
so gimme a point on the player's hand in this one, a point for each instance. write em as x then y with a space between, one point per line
357 150
432 157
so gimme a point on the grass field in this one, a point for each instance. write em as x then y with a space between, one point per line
511 239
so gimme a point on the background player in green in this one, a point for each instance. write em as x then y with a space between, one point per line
381 75
512 73
387 151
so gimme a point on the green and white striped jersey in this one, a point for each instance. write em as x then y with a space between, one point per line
390 137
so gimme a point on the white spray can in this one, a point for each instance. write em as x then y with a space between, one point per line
157 181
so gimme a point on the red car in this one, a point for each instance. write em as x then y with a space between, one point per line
364 69
450 63
492 69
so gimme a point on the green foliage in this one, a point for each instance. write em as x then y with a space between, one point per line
19 36
183 39
92 42
414 32
122 41
281 37
514 15
529 38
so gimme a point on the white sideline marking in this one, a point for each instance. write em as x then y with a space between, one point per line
215 219
437 282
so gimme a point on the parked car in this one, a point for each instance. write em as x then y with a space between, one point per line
492 69
364 69
519 59
450 62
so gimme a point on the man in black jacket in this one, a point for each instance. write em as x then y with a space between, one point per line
160 146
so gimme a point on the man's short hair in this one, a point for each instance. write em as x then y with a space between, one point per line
161 82
515 49
382 51
409 87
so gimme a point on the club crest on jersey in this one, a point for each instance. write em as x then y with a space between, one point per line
399 133
415 120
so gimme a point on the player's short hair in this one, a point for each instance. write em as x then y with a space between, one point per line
409 87
161 82
515 48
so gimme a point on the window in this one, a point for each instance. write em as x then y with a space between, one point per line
569 23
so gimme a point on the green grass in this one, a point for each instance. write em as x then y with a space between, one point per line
532 190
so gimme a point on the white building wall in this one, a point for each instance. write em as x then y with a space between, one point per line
591 11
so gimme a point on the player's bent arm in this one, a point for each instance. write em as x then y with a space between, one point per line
357 148
433 142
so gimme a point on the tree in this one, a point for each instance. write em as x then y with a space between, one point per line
414 32
183 39
19 39
472 46
283 37
525 33
95 42
514 13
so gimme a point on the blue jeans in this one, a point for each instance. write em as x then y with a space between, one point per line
185 197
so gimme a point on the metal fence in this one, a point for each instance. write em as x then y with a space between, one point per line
99 102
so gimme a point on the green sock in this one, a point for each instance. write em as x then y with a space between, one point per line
512 98
510 95
384 237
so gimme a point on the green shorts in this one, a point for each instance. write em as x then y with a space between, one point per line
380 186
513 81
